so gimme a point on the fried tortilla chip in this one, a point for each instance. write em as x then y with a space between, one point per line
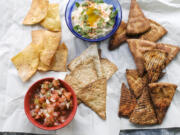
94 96
137 48
137 22
171 50
52 20
119 37
155 62
37 12
60 59
144 113
136 83
161 95
155 33
89 54
108 67
26 62
127 102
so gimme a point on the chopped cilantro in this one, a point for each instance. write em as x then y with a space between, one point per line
113 14
77 4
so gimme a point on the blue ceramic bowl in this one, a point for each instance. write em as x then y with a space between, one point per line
70 7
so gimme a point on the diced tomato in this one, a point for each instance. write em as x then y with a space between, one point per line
62 99
49 121
43 91
56 83
42 100
62 119
62 106
67 95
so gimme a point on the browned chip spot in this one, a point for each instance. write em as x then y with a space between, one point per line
155 33
137 22
127 102
143 113
161 95
136 83
155 62
119 37
94 96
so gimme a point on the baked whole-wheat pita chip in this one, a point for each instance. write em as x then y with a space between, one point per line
144 113
119 37
127 102
91 53
26 62
171 50
155 33
136 83
137 22
162 95
37 12
94 96
108 68
52 19
137 48
155 62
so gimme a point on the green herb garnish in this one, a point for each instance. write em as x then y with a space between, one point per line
85 4
77 28
98 1
77 4
113 14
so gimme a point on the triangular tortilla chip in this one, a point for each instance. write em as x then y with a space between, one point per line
155 62
108 67
137 48
91 53
119 37
144 113
171 50
26 62
127 102
94 96
155 33
52 19
37 12
137 22
136 83
161 95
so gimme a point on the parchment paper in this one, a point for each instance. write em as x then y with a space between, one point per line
14 37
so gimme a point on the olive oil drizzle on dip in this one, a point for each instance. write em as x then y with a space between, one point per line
93 18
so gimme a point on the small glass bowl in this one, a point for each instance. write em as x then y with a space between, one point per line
71 6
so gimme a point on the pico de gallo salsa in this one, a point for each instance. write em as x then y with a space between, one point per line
51 103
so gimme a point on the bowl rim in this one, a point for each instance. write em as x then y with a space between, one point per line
27 110
100 38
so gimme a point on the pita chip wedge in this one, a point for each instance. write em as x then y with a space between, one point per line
127 102
94 96
162 95
119 37
171 50
108 68
137 48
144 113
136 83
155 62
91 53
26 62
52 19
37 12
155 33
137 22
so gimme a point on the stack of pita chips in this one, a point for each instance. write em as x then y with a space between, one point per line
138 26
152 98
88 77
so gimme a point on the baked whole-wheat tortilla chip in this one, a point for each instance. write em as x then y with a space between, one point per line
136 83
52 19
155 33
26 62
155 62
37 12
108 67
137 48
171 50
127 102
119 37
91 53
137 22
144 113
94 96
162 95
